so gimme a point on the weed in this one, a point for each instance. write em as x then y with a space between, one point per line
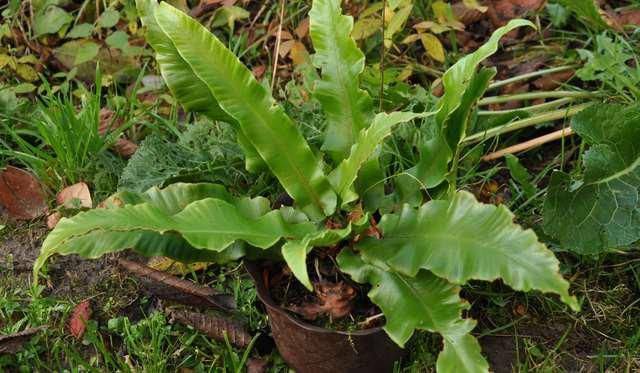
62 145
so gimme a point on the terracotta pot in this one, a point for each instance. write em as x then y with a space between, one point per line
311 349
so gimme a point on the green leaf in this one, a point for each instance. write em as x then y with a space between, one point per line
461 353
181 79
50 20
82 30
295 251
520 175
211 224
265 124
588 11
423 302
462 88
118 39
348 107
86 52
183 82
463 240
109 18
602 210
227 15
343 177
99 242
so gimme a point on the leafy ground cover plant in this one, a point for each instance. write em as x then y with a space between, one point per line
599 210
423 252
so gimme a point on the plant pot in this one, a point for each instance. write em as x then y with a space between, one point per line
311 349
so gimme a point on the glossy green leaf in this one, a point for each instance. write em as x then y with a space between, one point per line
462 88
343 177
264 123
602 210
181 79
348 107
463 240
211 224
423 302
295 252
99 242
185 84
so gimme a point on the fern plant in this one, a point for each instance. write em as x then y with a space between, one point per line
427 250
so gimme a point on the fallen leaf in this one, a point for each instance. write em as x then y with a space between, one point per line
21 194
166 286
630 17
214 327
303 28
75 196
257 365
53 219
334 300
13 343
258 71
78 320
122 146
502 11
553 81
298 53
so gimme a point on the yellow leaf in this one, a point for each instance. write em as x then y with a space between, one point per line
165 264
26 72
441 10
405 73
7 60
366 27
30 59
298 53
410 39
473 4
433 46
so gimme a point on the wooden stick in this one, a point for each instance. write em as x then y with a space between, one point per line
277 51
533 143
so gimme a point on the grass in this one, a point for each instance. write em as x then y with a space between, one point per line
61 144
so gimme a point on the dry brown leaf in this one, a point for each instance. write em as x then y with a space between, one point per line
13 343
258 71
74 196
303 28
122 146
502 11
214 327
553 81
78 320
166 286
334 300
21 194
53 219
285 47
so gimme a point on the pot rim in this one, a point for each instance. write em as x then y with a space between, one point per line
265 297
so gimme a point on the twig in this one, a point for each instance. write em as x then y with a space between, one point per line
533 143
277 51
